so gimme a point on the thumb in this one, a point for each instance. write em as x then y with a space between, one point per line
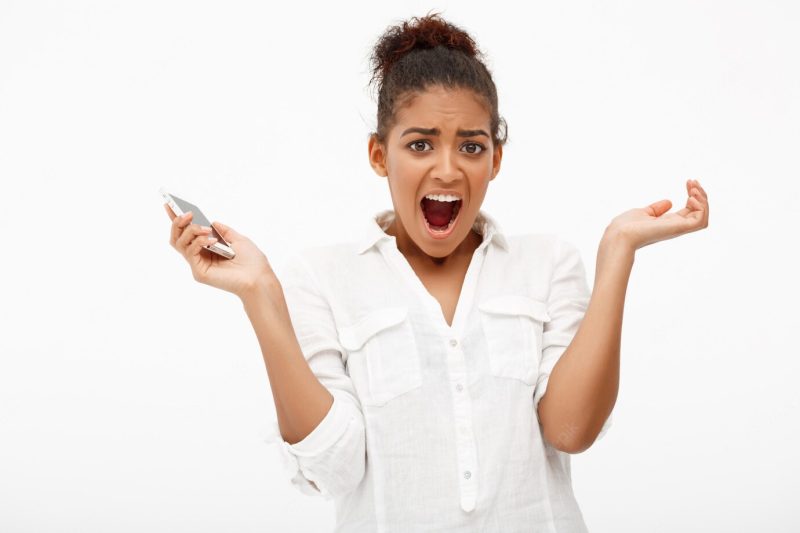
227 232
659 208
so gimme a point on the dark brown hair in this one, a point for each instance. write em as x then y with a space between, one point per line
423 52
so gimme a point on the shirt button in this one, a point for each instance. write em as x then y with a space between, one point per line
453 342
459 387
467 474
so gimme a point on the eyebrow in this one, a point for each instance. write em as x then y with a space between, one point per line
436 131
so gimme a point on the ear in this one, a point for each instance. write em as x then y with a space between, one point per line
496 158
377 156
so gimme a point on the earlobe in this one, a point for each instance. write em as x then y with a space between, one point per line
377 156
498 156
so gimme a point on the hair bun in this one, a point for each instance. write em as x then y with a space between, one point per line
418 33
422 52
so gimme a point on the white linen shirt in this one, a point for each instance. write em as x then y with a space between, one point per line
434 427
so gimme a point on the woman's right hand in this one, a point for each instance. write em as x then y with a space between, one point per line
239 275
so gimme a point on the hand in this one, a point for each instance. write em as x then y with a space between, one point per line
238 275
642 226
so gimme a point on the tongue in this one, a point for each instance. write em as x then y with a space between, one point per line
437 213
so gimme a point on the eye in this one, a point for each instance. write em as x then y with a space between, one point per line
475 146
417 144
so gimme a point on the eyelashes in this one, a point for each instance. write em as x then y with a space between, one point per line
478 147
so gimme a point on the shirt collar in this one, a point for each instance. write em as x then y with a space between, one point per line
374 232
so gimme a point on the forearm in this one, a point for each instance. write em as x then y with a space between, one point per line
301 401
583 385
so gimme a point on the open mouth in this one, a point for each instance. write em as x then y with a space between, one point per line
440 217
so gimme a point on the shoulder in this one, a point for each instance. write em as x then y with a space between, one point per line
546 256
540 246
316 262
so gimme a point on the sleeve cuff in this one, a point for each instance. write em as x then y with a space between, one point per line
325 434
541 387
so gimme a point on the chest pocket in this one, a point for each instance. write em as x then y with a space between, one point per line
383 359
514 325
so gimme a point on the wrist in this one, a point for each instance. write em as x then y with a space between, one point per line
615 255
265 287
616 242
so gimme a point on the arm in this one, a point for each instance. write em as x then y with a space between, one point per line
301 401
585 381
582 387
320 429
320 426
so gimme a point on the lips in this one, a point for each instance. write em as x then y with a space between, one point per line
443 230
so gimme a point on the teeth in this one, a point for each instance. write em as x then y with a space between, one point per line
442 197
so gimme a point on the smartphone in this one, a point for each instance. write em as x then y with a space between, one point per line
180 206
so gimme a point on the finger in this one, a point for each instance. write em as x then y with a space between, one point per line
698 217
169 212
189 233
700 189
700 198
197 244
695 205
695 192
658 208
178 224
226 232
703 200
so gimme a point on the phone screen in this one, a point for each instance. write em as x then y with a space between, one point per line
197 216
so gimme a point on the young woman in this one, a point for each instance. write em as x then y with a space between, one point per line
409 368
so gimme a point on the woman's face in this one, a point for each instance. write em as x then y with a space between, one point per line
440 144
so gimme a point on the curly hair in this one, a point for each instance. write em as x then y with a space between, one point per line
422 52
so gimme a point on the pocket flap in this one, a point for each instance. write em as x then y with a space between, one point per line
354 336
512 304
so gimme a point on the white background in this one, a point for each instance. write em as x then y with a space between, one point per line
133 398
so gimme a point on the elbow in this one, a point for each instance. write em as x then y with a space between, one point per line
566 446
568 439
571 447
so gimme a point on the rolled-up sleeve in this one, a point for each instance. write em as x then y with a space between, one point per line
567 303
331 460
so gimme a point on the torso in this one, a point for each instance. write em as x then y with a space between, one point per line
446 288
445 282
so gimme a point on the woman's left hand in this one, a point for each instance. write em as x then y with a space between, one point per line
646 225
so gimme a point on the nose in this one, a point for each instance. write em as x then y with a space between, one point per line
446 168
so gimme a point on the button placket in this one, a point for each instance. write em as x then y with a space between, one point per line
465 440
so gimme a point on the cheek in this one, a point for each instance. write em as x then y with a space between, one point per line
406 181
404 188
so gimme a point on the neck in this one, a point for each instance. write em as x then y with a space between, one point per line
409 249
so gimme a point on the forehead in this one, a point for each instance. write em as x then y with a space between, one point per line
440 105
